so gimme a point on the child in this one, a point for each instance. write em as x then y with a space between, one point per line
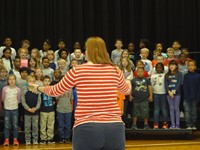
159 46
144 52
159 95
23 54
57 76
155 54
61 45
79 56
176 45
36 54
7 44
191 88
140 64
116 54
64 115
63 66
173 80
141 94
32 64
46 46
39 76
3 83
46 69
186 51
31 103
125 54
170 56
16 65
11 96
64 54
7 61
47 115
159 59
50 56
131 49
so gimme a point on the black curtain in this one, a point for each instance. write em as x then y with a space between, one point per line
75 20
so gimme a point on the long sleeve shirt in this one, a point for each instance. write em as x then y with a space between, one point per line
97 86
11 97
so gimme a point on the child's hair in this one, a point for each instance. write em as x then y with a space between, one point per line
20 49
46 77
160 64
50 52
44 58
22 69
128 67
139 61
146 42
35 74
144 50
172 62
61 61
31 58
170 49
2 68
140 68
194 61
29 77
125 50
25 41
11 75
61 50
116 40
37 51
48 42
176 42
182 54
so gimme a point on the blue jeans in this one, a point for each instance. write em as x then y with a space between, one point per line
190 112
10 121
174 105
99 136
64 125
160 104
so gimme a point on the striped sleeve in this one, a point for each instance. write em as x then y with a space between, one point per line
122 86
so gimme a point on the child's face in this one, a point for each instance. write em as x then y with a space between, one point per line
46 46
159 46
3 73
12 80
155 55
39 73
17 63
124 62
7 54
140 64
176 45
32 63
160 59
64 55
125 54
118 44
50 56
159 69
185 51
8 42
61 66
144 55
182 58
74 63
34 53
31 80
170 54
140 73
24 74
131 47
61 45
57 74
45 63
23 53
77 45
77 53
192 67
172 67
25 45
142 44
46 82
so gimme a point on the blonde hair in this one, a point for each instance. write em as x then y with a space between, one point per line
96 51
20 49
29 77
170 49
50 52
144 50
61 61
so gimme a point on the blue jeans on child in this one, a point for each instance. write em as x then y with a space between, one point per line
10 121
64 125
174 104
160 104
190 112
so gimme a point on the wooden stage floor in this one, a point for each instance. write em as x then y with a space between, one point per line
131 144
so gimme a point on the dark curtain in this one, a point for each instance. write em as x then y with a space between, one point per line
75 20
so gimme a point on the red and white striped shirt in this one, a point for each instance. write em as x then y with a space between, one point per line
96 86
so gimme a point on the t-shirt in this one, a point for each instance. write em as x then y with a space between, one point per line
158 83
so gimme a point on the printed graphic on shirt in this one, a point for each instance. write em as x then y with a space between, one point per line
146 66
141 86
157 80
47 100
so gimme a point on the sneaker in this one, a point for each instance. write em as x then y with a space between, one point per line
50 141
62 141
134 127
172 127
189 128
165 125
177 126
182 114
155 125
146 126
67 141
42 142
194 128
35 142
28 143
15 142
6 142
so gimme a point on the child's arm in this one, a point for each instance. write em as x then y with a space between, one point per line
24 104
19 95
38 102
179 82
3 94
150 93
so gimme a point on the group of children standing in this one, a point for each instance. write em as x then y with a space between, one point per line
169 81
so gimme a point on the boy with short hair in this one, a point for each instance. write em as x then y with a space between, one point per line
116 54
144 53
170 56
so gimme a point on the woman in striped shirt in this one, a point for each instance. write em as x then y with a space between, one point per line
98 123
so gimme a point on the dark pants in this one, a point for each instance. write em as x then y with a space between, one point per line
99 136
190 112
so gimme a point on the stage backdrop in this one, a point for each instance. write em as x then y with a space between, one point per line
75 20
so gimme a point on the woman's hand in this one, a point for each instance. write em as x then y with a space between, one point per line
33 87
